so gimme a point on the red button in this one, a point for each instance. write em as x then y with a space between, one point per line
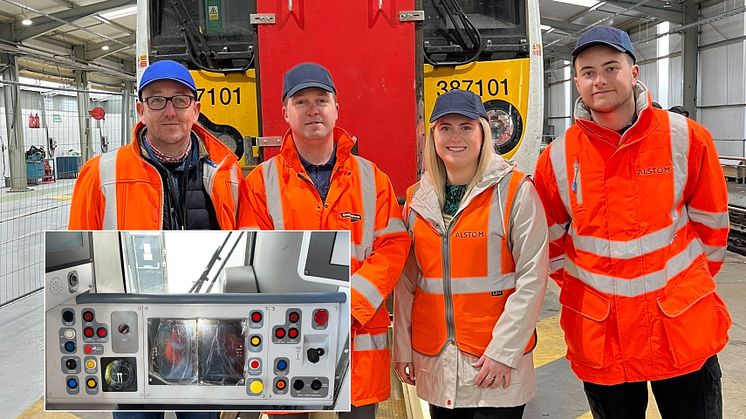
321 316
254 364
280 333
88 316
101 332
293 333
256 317
88 332
294 317
88 349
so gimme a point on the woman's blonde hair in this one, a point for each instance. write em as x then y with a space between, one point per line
436 169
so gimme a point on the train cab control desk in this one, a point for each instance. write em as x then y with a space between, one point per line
135 351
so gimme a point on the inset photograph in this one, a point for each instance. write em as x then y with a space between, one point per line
197 320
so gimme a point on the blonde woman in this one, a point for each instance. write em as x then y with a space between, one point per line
471 292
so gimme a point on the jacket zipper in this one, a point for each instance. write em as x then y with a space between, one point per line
576 183
447 294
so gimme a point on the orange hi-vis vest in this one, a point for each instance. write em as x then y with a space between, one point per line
638 228
467 272
120 190
361 199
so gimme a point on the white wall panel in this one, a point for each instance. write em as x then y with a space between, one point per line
712 76
676 83
736 90
734 148
724 123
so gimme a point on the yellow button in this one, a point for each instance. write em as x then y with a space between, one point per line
90 364
255 341
256 386
91 383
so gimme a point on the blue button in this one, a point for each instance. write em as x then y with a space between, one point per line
282 364
72 382
70 346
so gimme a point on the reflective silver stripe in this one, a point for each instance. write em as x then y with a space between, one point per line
631 248
556 264
367 289
679 156
495 229
473 285
107 172
557 155
208 177
642 284
714 253
715 220
368 195
367 342
272 191
234 189
556 231
395 225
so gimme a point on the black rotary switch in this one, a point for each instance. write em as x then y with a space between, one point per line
314 354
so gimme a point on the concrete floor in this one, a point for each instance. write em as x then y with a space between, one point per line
560 394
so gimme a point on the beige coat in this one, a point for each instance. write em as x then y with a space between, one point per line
447 379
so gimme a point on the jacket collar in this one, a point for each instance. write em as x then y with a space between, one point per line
343 143
645 123
425 199
209 145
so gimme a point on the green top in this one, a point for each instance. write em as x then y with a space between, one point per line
454 194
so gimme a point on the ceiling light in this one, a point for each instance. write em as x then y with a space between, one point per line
105 47
117 13
668 5
26 22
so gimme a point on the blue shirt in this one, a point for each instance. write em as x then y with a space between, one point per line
321 174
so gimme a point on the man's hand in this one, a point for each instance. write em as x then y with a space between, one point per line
492 374
405 371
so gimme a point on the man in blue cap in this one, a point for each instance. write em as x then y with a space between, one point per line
174 175
638 224
316 183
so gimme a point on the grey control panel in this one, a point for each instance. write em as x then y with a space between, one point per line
215 349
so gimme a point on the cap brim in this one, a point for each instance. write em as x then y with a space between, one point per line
587 45
307 85
140 89
471 115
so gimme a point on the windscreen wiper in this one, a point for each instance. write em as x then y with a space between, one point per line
465 34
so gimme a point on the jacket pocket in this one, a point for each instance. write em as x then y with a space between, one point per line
583 320
694 318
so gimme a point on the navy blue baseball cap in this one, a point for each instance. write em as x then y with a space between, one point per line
605 35
306 75
460 102
166 70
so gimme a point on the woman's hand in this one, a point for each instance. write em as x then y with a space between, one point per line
492 374
405 371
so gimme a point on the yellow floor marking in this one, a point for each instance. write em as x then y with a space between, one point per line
63 197
36 411
551 345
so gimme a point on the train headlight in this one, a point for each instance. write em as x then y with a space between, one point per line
506 125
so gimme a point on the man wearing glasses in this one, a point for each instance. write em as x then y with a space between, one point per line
174 175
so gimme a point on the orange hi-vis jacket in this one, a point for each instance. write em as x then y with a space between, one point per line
638 228
362 200
120 190
467 272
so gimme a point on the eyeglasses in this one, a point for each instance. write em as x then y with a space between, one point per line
157 103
